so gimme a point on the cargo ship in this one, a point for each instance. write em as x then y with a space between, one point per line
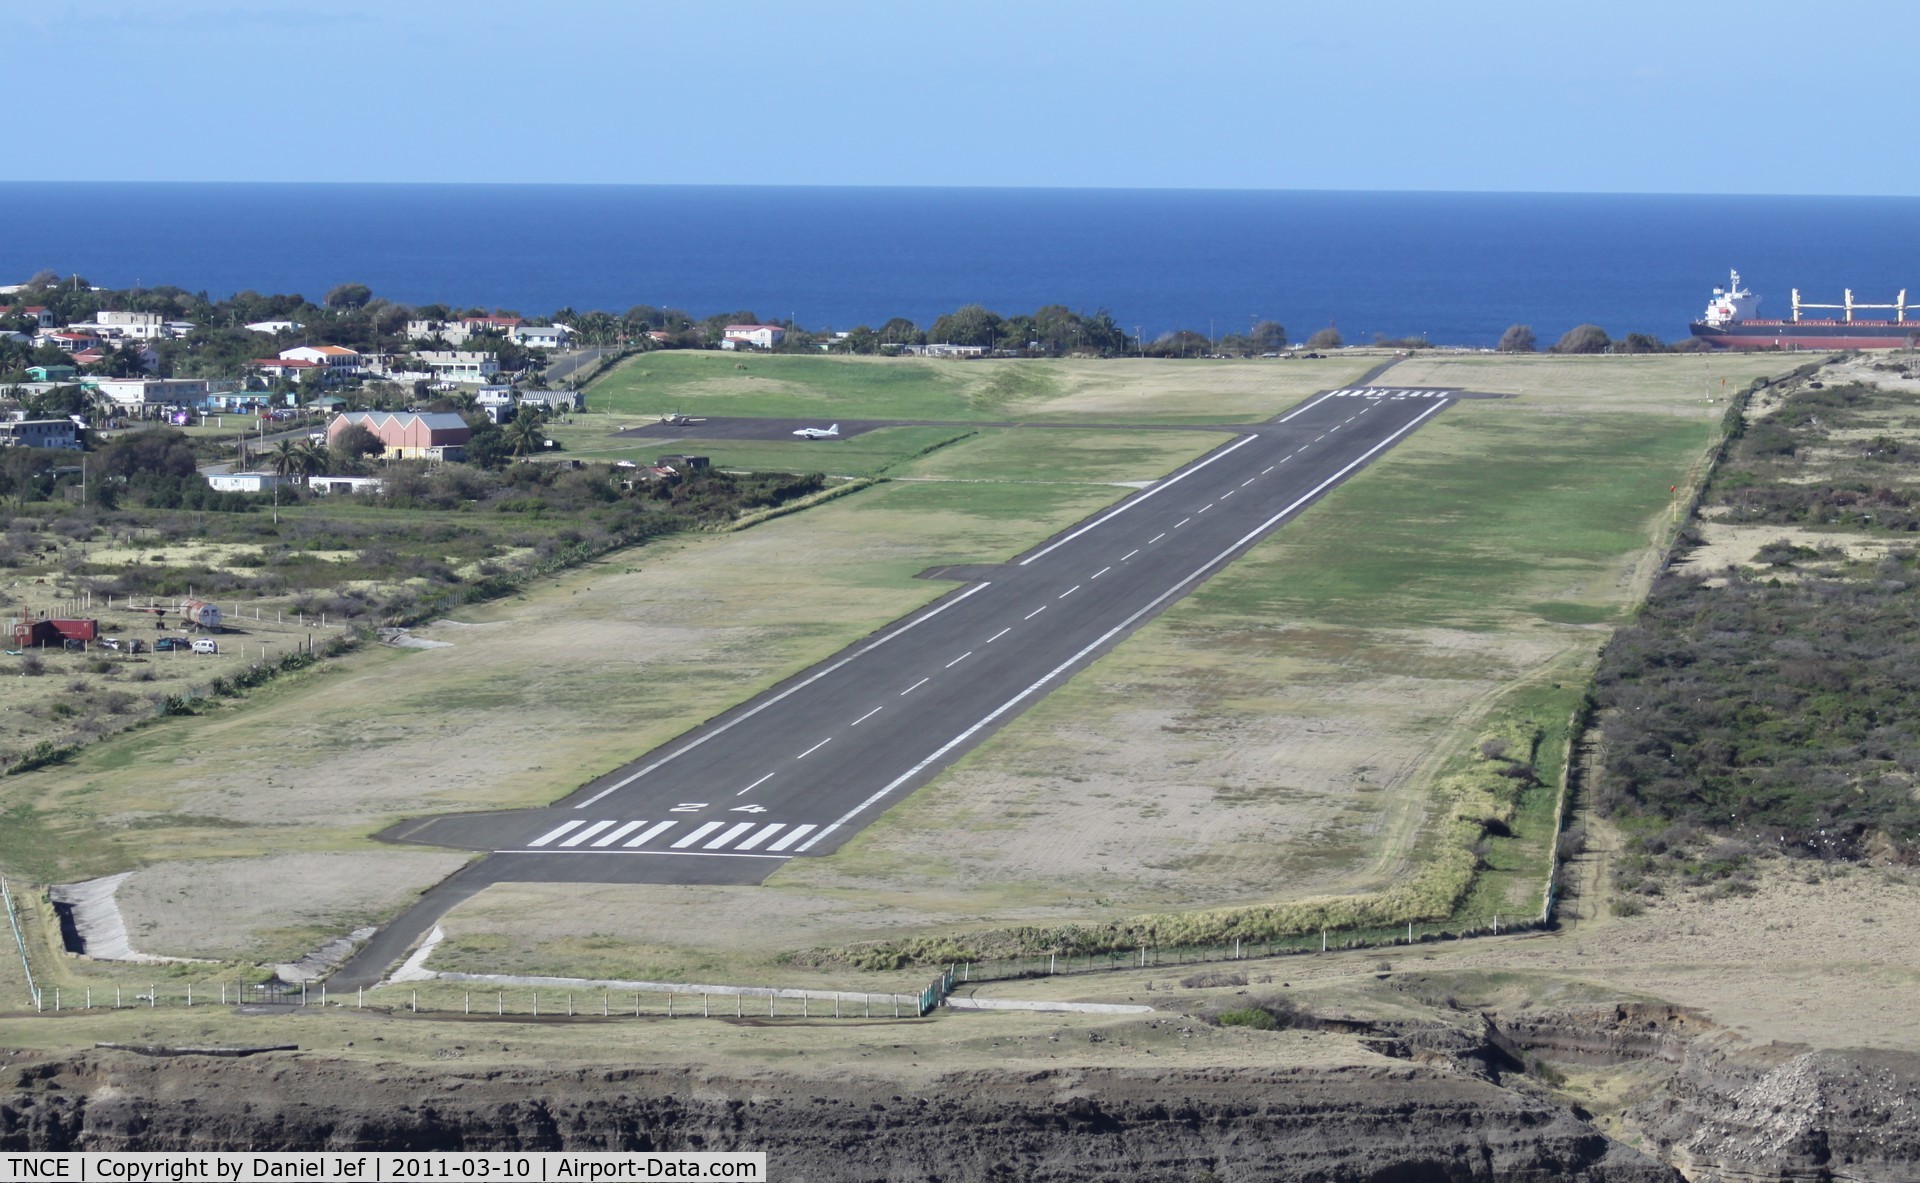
1730 323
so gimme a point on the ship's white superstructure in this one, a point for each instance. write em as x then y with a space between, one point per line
1731 304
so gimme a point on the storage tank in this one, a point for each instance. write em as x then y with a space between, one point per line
200 614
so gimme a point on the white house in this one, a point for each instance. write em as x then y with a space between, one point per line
337 358
248 482
497 402
452 332
456 365
276 326
758 336
542 336
143 394
343 484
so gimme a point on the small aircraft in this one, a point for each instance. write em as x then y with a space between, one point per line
676 419
819 433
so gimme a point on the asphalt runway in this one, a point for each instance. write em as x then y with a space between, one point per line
800 769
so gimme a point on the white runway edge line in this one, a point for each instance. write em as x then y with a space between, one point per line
1128 504
1116 630
861 652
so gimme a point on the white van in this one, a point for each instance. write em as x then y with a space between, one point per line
205 645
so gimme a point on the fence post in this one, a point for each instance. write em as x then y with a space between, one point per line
669 1004
189 997
868 999
323 996
1051 970
153 996
360 998
56 1000
89 997
569 1004
536 1004
413 1001
468 1006
303 992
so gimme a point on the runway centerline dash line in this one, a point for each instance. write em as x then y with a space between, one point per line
1036 612
1003 632
914 687
959 659
862 719
756 784
816 747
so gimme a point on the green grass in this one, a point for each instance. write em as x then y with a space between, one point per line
1060 454
1489 510
868 454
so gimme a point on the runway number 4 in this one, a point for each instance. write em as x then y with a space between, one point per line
748 809
689 807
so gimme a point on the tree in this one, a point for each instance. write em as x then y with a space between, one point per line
1269 336
157 451
311 459
524 436
284 459
972 325
901 331
354 441
1327 338
1583 339
1517 339
1640 343
349 295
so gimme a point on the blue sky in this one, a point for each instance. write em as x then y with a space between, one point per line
1758 97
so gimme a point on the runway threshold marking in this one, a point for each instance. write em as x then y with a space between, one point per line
797 686
618 834
767 832
733 832
558 830
763 780
1133 501
697 833
1117 629
792 836
650 835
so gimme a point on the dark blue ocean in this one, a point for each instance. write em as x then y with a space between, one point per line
1455 267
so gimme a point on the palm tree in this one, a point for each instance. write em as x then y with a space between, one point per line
285 459
312 459
524 435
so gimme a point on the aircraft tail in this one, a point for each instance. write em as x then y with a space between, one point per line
834 430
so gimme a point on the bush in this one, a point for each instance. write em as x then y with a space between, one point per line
1583 339
1249 1016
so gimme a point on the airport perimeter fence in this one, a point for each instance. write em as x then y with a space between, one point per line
1046 965
449 999
19 941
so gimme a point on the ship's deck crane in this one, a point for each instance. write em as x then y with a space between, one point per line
1898 307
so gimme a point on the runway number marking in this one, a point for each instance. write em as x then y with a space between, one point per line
862 719
914 687
756 784
744 809
1003 632
950 665
816 747
689 807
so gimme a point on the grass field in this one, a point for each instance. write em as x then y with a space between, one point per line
1128 390
1272 736
531 697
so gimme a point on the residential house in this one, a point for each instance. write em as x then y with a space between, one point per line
52 373
145 397
452 332
292 369
758 336
541 336
41 316
410 435
70 341
248 482
276 326
454 365
497 403
339 360
325 485
40 433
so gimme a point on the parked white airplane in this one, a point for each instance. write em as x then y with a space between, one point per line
818 433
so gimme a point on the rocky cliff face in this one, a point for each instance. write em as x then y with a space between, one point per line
1386 1124
1788 1113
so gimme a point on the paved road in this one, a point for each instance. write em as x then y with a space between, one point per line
800 769
562 366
